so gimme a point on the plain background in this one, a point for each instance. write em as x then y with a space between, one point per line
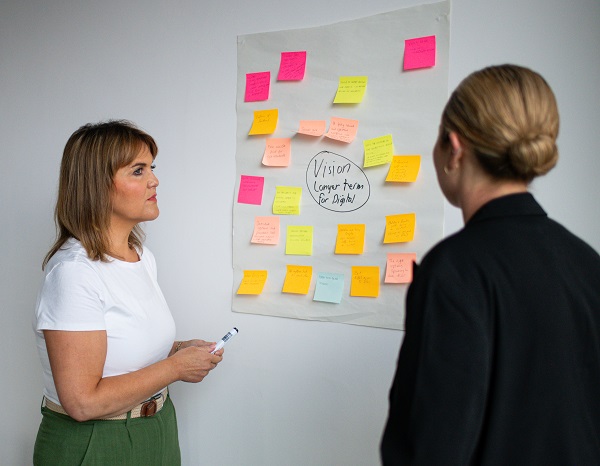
289 392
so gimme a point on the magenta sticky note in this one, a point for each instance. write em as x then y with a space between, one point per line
251 190
419 53
292 66
257 86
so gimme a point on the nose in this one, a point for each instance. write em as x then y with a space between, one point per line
153 181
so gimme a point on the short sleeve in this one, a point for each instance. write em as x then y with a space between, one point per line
71 298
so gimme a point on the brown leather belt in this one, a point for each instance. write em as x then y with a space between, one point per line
145 409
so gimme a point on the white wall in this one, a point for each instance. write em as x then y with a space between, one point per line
289 391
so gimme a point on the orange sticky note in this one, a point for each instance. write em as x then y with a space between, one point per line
419 53
404 168
399 228
265 121
351 90
350 239
399 268
277 152
266 230
299 240
253 282
365 281
342 129
378 150
312 127
297 279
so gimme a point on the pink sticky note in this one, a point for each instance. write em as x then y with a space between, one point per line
292 66
251 190
400 267
257 86
312 127
419 53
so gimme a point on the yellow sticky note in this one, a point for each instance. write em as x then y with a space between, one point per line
299 240
253 282
404 168
378 150
265 121
312 127
399 228
399 267
297 279
287 200
350 239
342 129
351 90
266 230
277 152
365 281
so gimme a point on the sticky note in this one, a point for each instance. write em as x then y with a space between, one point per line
297 279
253 282
257 86
265 121
399 228
299 240
292 66
312 127
378 150
351 90
419 53
251 189
287 200
365 281
404 168
399 267
350 239
342 129
266 230
277 152
329 287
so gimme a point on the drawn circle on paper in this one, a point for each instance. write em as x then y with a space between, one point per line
336 183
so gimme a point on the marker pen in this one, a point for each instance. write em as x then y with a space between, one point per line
224 340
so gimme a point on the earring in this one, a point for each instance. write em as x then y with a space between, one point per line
446 171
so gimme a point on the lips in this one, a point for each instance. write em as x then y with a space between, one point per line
153 198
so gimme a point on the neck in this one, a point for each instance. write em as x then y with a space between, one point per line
479 194
120 247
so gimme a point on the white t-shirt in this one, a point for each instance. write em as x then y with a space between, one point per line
120 297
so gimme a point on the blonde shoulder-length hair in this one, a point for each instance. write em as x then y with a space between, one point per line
91 157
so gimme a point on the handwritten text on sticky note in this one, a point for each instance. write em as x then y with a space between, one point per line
419 53
351 90
399 268
266 230
342 129
287 200
378 150
277 152
251 189
365 281
292 66
329 287
404 168
312 127
297 279
257 86
299 240
253 282
265 121
350 239
399 228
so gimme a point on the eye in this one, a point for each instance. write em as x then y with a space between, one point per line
138 171
153 166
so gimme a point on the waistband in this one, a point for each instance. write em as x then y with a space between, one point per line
145 409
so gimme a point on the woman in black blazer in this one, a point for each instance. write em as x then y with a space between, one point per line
500 363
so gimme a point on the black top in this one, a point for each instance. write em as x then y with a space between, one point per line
500 363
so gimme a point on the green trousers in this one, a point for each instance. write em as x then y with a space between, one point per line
147 441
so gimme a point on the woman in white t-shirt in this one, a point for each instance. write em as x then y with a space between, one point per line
103 329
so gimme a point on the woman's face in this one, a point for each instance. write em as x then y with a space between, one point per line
134 192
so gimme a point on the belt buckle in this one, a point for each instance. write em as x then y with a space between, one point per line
149 407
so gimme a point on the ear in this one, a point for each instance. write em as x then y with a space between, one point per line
457 148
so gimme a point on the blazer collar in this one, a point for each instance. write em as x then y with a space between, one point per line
512 205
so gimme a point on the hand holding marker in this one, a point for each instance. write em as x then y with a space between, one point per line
225 339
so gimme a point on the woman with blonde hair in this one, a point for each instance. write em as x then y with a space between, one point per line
500 363
104 332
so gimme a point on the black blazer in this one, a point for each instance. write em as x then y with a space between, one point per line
500 363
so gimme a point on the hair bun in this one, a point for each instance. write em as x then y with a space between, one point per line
533 155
